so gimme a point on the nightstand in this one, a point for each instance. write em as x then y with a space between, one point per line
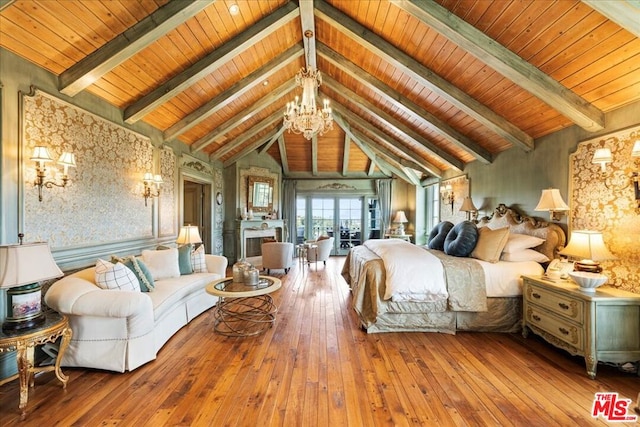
602 326
406 237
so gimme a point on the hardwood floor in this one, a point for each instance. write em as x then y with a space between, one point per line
316 367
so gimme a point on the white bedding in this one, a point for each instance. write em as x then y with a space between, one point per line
403 284
503 278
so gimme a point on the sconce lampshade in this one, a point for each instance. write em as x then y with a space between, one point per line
400 217
22 267
67 159
635 152
602 156
587 246
189 234
41 154
468 206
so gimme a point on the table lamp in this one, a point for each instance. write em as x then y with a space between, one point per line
469 208
189 235
400 219
589 248
22 267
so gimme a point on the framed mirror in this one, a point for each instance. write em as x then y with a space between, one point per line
260 194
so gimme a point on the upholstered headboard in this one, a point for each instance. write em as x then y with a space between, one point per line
554 236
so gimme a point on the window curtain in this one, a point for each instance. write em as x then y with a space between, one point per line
383 189
289 209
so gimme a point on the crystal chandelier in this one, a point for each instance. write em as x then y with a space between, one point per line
304 117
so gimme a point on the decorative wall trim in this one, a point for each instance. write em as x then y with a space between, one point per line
103 201
195 165
610 210
336 186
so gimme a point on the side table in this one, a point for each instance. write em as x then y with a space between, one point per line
25 341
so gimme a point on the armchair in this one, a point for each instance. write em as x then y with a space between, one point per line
322 250
276 255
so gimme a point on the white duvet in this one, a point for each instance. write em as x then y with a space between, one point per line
404 284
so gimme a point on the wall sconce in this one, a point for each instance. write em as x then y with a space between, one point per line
602 156
551 201
446 193
148 180
469 208
41 156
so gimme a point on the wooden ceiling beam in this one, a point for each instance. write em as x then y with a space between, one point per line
405 104
284 161
353 118
251 147
211 62
423 75
125 45
238 119
384 151
307 22
625 13
393 123
275 138
314 155
507 63
247 135
345 154
222 100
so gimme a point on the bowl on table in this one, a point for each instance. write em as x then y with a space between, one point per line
588 282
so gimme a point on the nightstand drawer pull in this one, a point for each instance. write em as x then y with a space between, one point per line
536 296
536 318
563 331
563 306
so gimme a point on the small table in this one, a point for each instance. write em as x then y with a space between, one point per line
406 237
244 310
24 342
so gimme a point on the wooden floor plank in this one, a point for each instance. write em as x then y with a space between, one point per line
317 367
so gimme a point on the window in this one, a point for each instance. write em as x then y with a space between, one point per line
433 206
301 215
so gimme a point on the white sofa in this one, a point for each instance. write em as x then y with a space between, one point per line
122 330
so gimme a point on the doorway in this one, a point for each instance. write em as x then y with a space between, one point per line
197 209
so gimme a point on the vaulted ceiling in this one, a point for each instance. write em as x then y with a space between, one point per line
416 87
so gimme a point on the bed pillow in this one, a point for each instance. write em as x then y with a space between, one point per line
438 235
524 255
198 261
518 242
461 239
162 264
490 244
115 277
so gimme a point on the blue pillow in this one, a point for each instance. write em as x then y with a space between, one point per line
438 234
462 239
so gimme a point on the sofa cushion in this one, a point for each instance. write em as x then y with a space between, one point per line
139 268
198 262
170 292
115 276
162 264
184 258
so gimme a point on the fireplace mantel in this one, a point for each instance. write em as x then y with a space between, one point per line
258 228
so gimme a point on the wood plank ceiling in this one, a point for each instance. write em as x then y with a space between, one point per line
417 87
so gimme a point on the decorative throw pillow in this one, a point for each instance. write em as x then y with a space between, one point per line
517 242
490 244
145 279
162 264
197 260
461 239
438 235
525 255
115 276
184 258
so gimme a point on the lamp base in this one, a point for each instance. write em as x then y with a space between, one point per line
11 326
590 267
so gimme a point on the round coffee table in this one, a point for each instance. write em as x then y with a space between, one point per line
244 310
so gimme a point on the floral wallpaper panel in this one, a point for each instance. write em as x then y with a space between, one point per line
460 186
103 201
607 204
167 201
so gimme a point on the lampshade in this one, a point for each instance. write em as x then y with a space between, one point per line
67 159
551 200
602 156
189 234
400 217
41 154
148 177
587 245
468 206
635 152
26 264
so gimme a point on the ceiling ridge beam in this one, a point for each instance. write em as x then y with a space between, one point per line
365 149
405 104
238 119
507 63
423 75
393 123
307 23
623 12
205 66
249 148
234 92
247 135
424 166
128 43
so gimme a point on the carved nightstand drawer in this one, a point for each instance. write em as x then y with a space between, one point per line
564 305
556 326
